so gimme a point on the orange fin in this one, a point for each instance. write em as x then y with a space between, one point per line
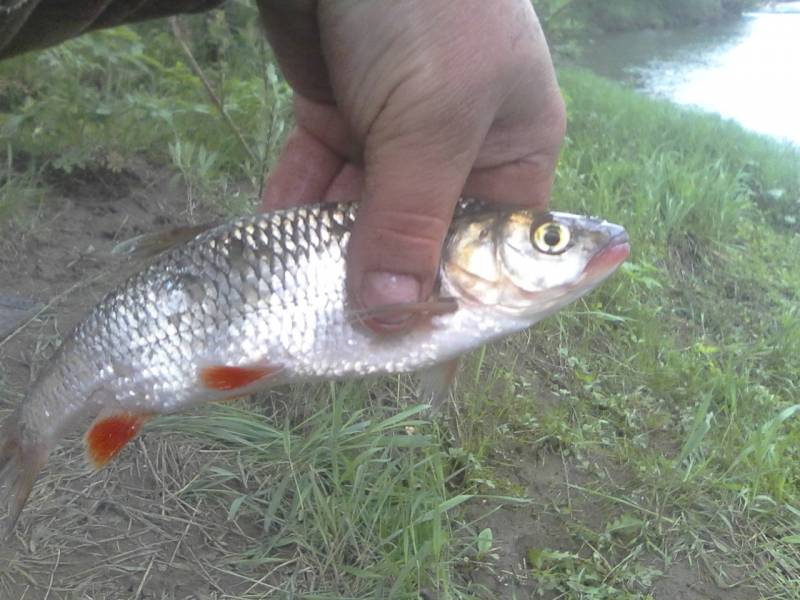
225 377
109 433
436 382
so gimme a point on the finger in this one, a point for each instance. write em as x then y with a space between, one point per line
312 156
346 186
325 122
410 191
526 182
518 157
304 171
293 33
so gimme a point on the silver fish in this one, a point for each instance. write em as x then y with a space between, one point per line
261 301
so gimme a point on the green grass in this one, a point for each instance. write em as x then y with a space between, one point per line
671 393
362 498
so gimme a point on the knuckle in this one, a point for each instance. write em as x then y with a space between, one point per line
416 229
401 242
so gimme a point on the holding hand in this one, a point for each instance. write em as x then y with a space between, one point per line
406 106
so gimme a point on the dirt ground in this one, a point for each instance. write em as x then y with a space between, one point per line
564 516
559 512
126 532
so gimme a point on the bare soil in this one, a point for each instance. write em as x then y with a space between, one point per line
565 516
560 518
127 532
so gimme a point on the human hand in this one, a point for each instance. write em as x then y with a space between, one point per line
407 106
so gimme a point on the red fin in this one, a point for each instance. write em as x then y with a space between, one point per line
109 434
223 377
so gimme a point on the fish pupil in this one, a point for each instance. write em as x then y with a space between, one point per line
552 237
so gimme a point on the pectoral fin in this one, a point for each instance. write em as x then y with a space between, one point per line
436 382
406 315
234 377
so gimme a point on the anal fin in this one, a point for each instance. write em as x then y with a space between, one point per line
110 432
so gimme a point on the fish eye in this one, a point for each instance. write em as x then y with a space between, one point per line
551 237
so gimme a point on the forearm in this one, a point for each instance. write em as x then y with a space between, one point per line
31 24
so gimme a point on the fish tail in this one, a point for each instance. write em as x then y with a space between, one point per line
20 463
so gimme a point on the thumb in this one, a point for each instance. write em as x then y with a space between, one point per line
411 187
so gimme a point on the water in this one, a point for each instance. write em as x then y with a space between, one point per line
747 70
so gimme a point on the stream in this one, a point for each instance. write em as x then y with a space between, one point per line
747 70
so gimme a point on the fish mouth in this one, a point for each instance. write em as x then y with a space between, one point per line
609 258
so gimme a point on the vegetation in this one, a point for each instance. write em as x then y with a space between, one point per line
567 21
107 100
669 396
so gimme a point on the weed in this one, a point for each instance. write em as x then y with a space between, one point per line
360 498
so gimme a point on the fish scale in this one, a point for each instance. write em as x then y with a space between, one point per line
262 300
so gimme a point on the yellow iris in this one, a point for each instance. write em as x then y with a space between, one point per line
551 238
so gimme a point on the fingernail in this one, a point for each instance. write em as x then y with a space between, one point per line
379 289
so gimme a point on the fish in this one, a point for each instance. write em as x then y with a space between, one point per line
261 300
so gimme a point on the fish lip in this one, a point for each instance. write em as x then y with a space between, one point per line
611 256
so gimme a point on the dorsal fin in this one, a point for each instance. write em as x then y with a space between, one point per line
150 244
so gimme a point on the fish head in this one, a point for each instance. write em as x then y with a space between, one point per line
528 264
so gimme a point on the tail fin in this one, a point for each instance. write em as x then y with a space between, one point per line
15 311
20 463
